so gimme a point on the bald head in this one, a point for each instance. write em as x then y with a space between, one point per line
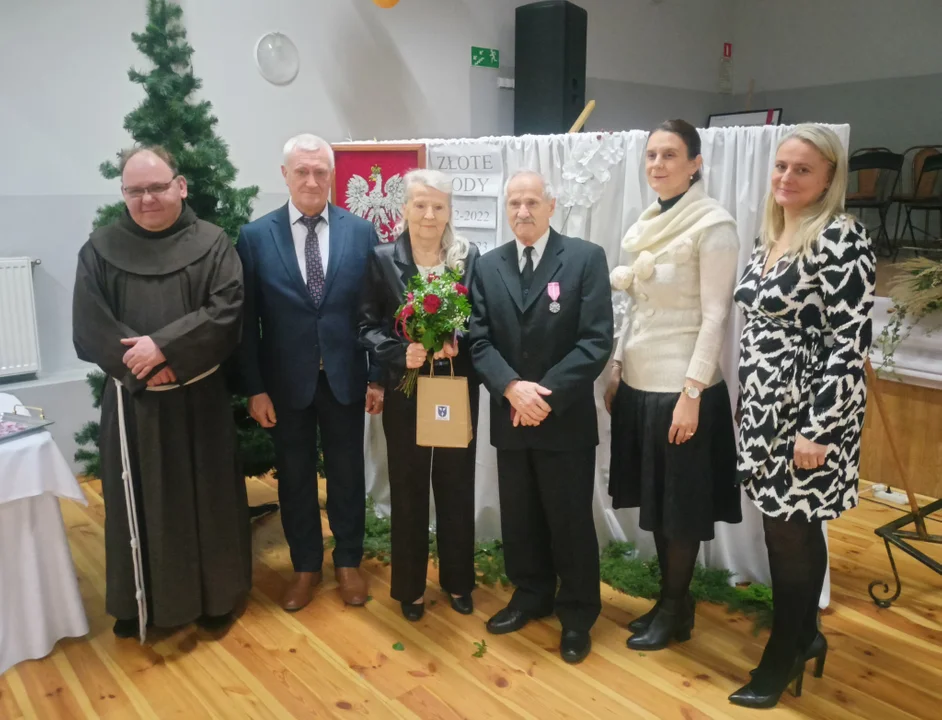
153 191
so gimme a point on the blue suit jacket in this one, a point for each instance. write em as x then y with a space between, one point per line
285 334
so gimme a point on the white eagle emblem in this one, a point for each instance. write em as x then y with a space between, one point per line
383 209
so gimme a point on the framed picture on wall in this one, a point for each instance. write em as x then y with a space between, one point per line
368 181
769 116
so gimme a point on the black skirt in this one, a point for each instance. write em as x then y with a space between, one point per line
682 490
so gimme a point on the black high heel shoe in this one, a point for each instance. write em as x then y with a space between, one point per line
817 651
747 696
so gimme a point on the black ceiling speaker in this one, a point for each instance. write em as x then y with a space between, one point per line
549 78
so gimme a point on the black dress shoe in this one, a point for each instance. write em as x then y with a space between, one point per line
672 622
749 696
215 622
462 604
413 612
574 646
507 620
641 624
127 628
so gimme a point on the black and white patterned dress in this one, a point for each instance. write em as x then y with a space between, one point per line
801 371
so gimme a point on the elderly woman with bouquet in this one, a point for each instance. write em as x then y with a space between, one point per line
413 310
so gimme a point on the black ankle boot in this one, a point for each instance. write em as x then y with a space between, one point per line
641 624
673 621
750 695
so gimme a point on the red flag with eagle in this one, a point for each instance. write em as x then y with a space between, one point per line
369 183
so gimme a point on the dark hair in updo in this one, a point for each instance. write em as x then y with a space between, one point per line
688 133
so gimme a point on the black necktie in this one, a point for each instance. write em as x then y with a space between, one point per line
526 275
312 258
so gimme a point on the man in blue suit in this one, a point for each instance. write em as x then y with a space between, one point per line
303 368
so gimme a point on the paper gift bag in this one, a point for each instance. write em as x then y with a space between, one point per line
443 411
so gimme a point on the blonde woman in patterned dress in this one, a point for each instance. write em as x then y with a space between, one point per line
806 294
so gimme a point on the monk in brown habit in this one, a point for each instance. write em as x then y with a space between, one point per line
158 307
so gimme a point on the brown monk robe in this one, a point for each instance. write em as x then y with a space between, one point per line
157 306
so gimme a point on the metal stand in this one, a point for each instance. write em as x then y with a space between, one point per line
891 532
893 535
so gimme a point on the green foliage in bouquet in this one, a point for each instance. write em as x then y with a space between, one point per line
434 309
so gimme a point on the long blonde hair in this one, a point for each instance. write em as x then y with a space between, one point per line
454 247
831 204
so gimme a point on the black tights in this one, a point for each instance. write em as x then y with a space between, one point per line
676 558
798 559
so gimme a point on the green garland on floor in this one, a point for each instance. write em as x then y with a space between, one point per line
621 568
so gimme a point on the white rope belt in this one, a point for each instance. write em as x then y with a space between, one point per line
133 527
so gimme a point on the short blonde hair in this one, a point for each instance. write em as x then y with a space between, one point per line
829 206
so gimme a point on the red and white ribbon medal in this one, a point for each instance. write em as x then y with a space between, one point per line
552 289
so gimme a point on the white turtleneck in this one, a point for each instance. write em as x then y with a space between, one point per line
680 271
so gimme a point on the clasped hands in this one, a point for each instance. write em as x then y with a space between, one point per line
142 357
528 408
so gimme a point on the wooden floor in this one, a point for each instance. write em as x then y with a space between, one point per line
332 661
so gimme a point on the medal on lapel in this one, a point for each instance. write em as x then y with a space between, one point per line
552 289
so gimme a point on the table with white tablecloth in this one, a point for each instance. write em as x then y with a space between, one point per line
40 601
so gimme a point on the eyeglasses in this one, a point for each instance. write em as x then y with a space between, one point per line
152 190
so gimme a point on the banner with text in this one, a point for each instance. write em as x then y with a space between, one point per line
477 173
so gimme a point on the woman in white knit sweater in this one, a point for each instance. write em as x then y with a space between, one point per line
673 447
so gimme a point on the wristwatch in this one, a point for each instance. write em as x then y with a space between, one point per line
692 392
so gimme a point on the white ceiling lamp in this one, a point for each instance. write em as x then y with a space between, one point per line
277 59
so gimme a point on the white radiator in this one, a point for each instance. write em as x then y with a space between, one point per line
19 337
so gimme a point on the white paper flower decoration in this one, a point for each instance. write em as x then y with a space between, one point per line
644 265
588 168
622 277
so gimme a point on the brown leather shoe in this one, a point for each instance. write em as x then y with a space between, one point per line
353 587
301 590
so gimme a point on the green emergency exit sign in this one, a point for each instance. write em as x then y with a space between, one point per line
485 57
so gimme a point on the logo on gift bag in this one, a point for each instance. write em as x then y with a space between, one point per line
443 412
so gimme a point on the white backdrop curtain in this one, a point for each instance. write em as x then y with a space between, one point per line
737 167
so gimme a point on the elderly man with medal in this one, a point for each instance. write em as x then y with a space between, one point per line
541 332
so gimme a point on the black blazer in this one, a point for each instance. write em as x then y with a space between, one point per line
389 268
565 351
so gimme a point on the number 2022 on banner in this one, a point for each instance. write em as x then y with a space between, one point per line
478 212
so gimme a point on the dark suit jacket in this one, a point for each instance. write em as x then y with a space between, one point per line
564 351
285 334
389 268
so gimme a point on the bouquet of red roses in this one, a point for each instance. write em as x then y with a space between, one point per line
434 309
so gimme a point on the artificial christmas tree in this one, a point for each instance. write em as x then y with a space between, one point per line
170 116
